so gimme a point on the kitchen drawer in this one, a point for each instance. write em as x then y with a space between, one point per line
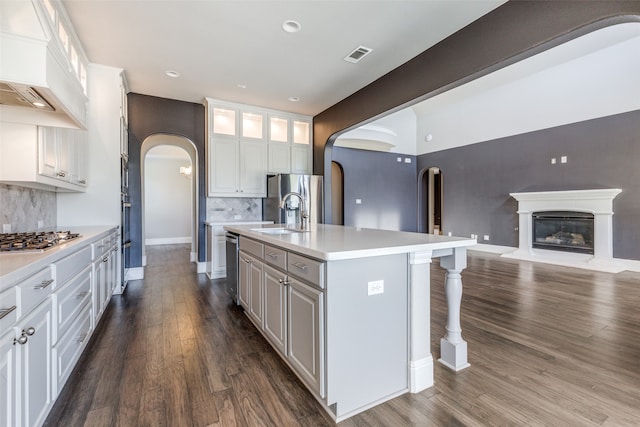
69 300
252 247
70 346
8 309
307 269
71 265
34 290
275 256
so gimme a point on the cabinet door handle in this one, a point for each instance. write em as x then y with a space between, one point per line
105 259
83 181
82 337
284 281
81 295
299 265
5 311
62 174
43 284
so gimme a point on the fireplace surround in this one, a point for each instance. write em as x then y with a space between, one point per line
598 202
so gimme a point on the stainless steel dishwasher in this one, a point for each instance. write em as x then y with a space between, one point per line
232 265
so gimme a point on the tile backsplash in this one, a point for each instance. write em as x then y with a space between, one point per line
23 207
221 209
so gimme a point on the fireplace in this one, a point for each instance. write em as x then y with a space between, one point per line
563 231
579 207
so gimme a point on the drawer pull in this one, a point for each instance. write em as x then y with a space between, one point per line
272 255
248 261
81 338
43 284
5 311
82 295
62 174
299 265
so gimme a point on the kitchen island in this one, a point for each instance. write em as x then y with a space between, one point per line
348 309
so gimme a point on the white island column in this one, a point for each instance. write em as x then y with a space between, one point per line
420 358
453 349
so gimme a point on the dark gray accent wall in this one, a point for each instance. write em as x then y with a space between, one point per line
601 153
386 187
149 115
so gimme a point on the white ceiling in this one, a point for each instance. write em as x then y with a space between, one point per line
217 45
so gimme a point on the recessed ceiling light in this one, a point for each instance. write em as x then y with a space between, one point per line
293 99
172 73
291 26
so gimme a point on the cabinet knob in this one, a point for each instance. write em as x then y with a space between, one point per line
283 280
105 259
62 174
22 340
30 331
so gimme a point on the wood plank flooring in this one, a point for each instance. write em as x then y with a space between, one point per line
548 346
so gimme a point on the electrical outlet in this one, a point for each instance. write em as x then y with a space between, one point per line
358 201
6 228
486 237
563 159
553 160
40 224
449 234
237 217
375 287
474 236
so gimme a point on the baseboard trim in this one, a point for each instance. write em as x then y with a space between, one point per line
201 267
167 241
135 273
615 265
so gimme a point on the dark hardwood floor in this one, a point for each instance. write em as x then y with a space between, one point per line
548 346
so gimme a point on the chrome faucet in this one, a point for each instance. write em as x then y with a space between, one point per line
304 215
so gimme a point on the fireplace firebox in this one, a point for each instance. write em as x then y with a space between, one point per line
563 231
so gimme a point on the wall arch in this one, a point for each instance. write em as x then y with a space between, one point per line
186 144
492 42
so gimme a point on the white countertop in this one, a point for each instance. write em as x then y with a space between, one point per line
335 242
16 266
239 222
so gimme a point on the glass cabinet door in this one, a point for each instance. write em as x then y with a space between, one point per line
224 121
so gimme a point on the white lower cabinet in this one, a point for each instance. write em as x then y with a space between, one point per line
34 366
46 320
8 381
250 279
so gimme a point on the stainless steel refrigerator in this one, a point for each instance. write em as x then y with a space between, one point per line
308 186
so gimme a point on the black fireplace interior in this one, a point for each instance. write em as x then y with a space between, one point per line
563 231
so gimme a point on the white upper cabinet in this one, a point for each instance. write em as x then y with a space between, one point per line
289 144
47 158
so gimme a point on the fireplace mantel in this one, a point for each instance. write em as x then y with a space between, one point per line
599 202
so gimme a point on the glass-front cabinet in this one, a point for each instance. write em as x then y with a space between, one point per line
245 143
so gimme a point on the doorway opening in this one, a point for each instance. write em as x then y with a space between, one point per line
431 199
169 174
337 194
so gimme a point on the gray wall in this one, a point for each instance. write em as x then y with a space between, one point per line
386 187
150 115
602 153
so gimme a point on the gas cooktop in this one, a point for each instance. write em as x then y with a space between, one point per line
34 242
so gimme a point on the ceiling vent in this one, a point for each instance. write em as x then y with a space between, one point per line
357 54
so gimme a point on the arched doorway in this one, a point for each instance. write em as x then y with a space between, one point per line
170 177
337 194
430 201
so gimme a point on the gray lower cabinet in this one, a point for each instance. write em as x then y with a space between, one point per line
306 333
275 307
250 286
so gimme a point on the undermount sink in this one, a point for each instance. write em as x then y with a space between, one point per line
279 230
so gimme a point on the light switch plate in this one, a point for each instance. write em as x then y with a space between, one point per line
376 287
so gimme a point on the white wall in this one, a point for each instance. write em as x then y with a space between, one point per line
168 200
100 205
593 76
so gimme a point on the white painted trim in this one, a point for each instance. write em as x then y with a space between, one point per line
135 273
167 241
201 267
494 249
193 257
